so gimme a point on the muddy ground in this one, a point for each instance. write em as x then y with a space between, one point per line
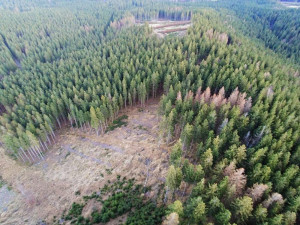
82 162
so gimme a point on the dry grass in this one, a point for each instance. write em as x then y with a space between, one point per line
46 189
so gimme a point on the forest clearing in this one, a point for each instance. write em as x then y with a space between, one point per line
46 189
292 5
162 28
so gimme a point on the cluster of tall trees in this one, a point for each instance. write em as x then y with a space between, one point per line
231 107
278 30
88 83
238 148
79 73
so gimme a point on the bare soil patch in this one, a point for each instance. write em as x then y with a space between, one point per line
83 162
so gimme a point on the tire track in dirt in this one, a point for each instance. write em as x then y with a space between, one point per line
71 150
103 145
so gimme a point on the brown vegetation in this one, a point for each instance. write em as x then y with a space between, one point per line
236 98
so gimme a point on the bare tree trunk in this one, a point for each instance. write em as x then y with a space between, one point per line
45 144
184 189
39 151
63 118
166 195
52 132
52 135
153 90
102 130
168 137
76 122
25 154
48 138
147 176
20 155
41 144
30 155
58 123
34 152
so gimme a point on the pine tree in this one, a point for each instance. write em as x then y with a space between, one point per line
176 207
186 136
260 214
207 160
176 153
243 209
199 212
174 178
94 120
101 119
223 217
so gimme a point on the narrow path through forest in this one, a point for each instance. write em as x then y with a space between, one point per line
13 55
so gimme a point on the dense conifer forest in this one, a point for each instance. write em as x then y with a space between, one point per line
229 96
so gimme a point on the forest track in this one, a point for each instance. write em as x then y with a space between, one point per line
103 145
68 148
13 55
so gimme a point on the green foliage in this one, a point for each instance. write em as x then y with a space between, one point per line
243 209
75 211
192 173
116 205
174 177
117 123
176 153
123 197
176 207
199 212
148 214
223 217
